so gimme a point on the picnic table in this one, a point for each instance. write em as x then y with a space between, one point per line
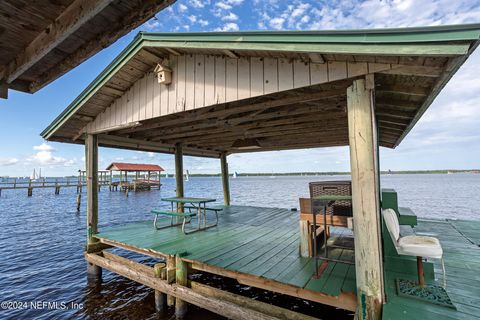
198 204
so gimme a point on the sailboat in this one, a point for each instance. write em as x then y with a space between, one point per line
166 175
235 175
187 177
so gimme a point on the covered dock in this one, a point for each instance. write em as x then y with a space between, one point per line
145 176
215 94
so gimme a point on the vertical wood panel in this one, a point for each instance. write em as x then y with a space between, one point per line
256 76
190 82
142 98
243 78
199 81
130 104
124 103
318 73
118 111
181 78
219 79
149 99
270 75
285 74
157 111
356 69
337 70
301 74
209 80
172 87
232 80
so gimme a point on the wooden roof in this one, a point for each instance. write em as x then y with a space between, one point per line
119 166
42 40
420 62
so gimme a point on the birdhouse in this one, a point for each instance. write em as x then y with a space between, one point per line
163 73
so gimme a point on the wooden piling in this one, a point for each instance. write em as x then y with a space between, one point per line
30 191
181 276
225 181
79 200
365 198
160 270
170 278
91 150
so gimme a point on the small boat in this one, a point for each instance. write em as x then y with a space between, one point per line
235 175
187 178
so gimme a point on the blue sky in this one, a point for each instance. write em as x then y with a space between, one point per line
448 135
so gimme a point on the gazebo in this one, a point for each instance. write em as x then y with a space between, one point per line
215 94
142 172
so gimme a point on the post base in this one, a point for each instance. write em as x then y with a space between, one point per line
94 272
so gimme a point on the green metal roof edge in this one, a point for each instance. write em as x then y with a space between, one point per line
132 48
442 49
463 32
362 38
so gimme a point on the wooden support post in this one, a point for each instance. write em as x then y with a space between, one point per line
30 191
304 238
225 181
365 198
181 276
160 270
421 273
179 172
91 156
170 278
79 201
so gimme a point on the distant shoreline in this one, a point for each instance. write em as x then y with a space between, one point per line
333 173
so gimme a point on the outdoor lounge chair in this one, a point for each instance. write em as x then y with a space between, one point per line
413 245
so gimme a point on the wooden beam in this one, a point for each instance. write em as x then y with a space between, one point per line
225 179
69 21
365 198
344 300
91 158
144 11
403 89
3 89
419 71
112 141
266 308
221 307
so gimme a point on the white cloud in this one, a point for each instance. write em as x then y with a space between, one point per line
231 26
277 23
192 18
223 5
8 161
203 22
230 17
44 147
198 3
182 7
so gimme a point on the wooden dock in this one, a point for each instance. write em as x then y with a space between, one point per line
259 247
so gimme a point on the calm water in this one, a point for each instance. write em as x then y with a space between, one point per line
42 237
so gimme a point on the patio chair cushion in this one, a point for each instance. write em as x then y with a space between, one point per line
420 246
391 220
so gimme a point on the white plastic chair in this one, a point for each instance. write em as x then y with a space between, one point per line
419 246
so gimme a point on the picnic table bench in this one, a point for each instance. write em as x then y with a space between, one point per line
198 204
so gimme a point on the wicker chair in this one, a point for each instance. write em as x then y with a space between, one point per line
340 188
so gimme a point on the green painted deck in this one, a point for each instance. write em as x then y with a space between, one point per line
460 241
262 242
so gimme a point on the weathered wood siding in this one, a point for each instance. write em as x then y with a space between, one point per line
201 80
